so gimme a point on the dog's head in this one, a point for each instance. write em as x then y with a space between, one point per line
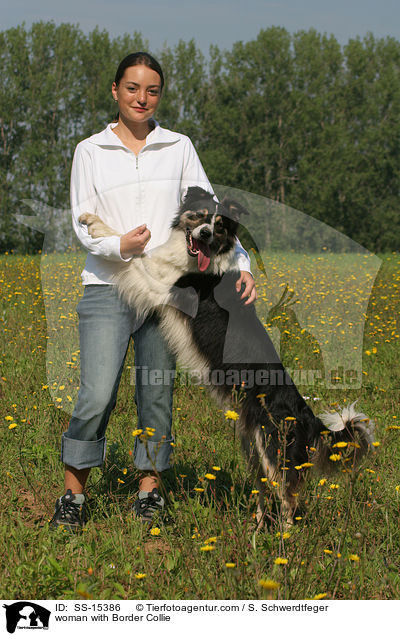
210 227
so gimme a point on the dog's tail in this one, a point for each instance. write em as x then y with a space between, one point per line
349 426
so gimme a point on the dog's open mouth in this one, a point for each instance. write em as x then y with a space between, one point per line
199 249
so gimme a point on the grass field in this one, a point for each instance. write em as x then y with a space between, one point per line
346 543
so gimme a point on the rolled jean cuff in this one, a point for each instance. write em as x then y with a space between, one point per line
153 455
81 453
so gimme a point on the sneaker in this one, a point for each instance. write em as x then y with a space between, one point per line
70 512
147 504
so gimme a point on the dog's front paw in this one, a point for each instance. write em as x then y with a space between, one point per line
96 227
87 218
93 224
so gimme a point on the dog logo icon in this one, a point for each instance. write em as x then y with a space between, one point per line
26 615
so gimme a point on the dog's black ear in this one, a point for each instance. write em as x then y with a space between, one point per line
195 193
234 208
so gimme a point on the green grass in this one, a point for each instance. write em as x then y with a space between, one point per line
360 517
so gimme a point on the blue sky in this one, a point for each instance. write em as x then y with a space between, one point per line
221 22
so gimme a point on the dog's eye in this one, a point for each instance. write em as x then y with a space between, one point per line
201 214
195 215
219 226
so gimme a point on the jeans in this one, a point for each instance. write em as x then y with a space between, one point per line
106 325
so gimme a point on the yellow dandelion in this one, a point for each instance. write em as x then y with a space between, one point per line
318 597
269 584
137 432
340 445
285 535
209 476
322 482
216 468
354 557
155 532
120 481
231 415
139 575
198 489
9 418
280 561
11 426
376 444
328 551
304 465
207 548
230 565
335 457
255 492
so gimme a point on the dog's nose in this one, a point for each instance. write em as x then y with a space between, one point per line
205 233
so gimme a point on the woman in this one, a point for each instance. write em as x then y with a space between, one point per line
132 174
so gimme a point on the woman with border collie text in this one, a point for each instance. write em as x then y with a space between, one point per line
133 174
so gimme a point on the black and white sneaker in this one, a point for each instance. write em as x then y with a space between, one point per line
147 505
70 512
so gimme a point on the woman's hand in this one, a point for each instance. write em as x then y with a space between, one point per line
133 242
250 287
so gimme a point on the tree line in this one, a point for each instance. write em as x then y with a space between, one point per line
296 118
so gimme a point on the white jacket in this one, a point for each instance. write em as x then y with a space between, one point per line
127 190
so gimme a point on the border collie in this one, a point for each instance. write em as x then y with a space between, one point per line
190 282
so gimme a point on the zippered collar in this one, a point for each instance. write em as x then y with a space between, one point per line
158 135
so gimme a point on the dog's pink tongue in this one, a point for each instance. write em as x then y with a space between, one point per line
203 256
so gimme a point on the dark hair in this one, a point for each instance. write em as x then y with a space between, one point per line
134 59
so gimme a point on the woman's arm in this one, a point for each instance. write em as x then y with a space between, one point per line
84 200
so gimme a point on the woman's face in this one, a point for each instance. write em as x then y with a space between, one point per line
138 93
